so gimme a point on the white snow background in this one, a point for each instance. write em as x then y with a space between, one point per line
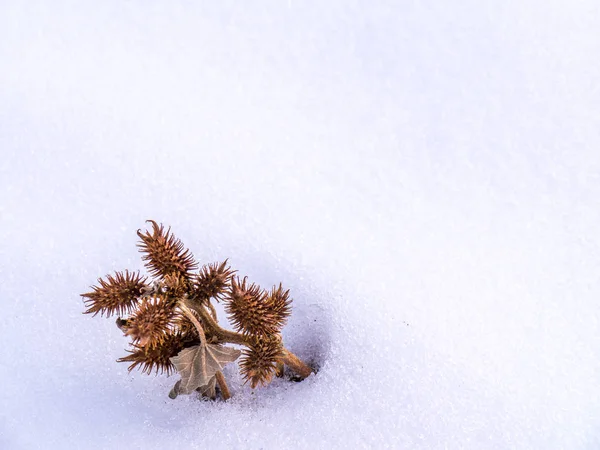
423 176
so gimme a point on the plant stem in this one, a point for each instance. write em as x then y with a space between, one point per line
295 363
223 385
223 335
213 311
192 317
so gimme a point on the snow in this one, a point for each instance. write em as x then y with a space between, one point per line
424 177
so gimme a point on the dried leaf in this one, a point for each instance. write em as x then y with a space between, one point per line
209 390
175 391
197 365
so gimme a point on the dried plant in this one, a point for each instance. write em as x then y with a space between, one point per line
173 324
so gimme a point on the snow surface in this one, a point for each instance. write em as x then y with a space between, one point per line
424 177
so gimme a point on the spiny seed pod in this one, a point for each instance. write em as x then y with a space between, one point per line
259 361
116 295
164 253
185 327
213 280
175 285
150 358
152 321
280 305
245 307
256 312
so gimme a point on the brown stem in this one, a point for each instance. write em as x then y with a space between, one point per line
213 311
223 335
279 370
223 385
296 364
197 324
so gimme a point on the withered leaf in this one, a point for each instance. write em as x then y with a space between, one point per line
198 365
175 391
210 389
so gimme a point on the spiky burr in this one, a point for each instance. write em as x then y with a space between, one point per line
118 294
